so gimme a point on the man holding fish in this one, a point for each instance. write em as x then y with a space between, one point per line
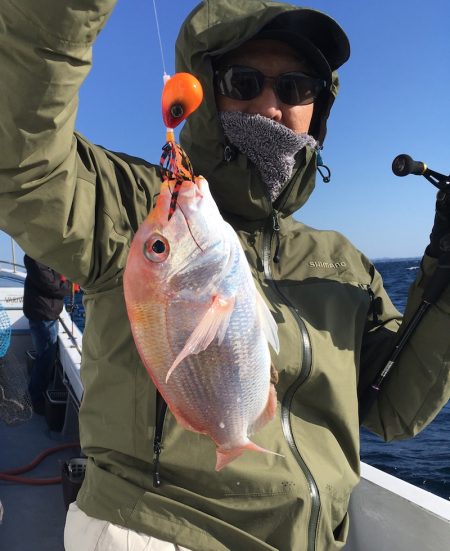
207 291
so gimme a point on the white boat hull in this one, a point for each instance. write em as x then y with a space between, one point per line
388 514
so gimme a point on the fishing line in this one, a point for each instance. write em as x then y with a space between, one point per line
159 38
187 223
190 231
165 78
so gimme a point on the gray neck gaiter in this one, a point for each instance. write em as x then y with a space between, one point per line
268 144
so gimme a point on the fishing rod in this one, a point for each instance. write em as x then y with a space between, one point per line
403 165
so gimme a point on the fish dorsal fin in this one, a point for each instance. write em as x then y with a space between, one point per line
268 324
214 323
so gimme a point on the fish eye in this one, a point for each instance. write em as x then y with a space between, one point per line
156 248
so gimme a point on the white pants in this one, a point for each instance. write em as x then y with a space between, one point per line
84 533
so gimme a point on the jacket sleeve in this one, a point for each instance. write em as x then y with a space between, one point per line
419 384
47 187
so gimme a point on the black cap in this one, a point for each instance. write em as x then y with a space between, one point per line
314 34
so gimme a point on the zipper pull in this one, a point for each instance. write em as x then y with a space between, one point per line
376 306
276 229
157 451
325 177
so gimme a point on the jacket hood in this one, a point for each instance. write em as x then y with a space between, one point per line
213 28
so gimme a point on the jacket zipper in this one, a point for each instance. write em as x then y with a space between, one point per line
276 230
272 229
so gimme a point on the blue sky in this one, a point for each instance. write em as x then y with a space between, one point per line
394 99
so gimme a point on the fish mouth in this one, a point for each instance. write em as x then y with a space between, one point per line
200 246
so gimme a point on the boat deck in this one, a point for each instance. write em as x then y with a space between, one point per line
33 515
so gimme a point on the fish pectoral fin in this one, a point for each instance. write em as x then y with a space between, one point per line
214 323
269 325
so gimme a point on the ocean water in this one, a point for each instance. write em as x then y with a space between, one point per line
424 460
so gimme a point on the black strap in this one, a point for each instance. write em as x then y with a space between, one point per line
161 408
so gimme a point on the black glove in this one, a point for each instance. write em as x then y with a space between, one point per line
440 234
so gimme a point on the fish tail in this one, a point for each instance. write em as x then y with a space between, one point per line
225 456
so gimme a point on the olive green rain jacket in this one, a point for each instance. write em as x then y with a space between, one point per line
76 207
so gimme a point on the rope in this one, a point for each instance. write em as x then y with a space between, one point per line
11 475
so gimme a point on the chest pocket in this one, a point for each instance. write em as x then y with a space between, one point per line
336 308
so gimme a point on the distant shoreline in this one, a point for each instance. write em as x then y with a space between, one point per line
396 259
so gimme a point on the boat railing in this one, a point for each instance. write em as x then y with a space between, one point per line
12 270
13 255
13 265
70 335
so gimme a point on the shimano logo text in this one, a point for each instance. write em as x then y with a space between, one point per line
320 264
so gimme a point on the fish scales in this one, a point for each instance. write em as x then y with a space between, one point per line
200 326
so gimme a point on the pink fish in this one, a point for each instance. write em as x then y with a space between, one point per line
200 326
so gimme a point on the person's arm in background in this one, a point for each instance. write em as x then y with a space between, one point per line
66 287
47 176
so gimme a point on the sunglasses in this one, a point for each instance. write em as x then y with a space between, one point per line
245 83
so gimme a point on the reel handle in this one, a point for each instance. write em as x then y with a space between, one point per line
403 165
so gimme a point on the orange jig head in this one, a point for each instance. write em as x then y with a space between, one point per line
181 96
